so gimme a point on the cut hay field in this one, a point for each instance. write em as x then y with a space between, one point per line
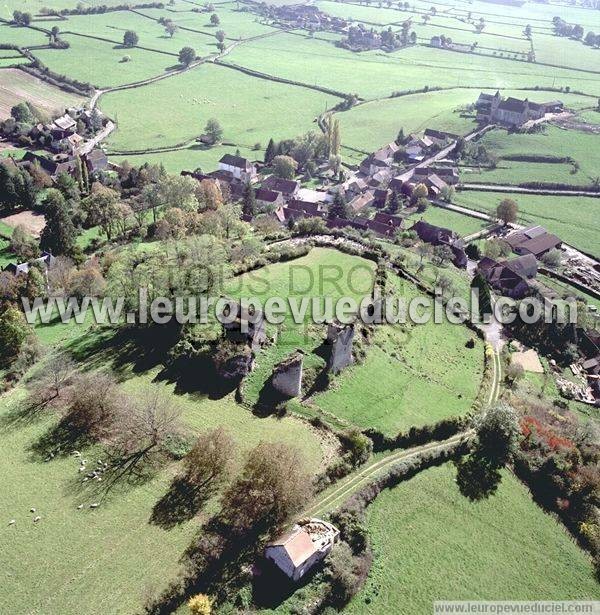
249 112
413 375
576 220
321 273
431 543
17 86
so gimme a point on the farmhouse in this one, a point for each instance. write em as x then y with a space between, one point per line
297 552
240 168
61 163
448 174
533 240
394 222
510 278
511 111
63 127
438 236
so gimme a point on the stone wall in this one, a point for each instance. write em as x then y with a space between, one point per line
287 376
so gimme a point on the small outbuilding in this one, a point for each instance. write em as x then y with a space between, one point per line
307 543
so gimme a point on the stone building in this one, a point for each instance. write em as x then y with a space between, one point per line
340 338
287 375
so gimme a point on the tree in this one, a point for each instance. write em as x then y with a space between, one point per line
214 130
21 113
200 604
54 31
423 250
214 19
393 204
447 193
186 56
497 432
514 372
146 426
273 485
249 201
482 288
420 192
507 211
210 461
13 333
553 258
339 207
220 35
130 39
58 236
401 137
284 167
102 208
442 254
171 28
528 31
270 151
23 244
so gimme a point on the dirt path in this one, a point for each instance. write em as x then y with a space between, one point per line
331 499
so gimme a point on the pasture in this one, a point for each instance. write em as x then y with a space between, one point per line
183 104
413 375
576 220
553 141
431 543
17 86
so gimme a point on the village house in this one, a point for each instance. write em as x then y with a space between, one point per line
268 199
361 201
53 167
510 278
533 240
287 187
72 143
371 165
96 161
353 187
46 260
437 236
448 174
240 168
299 550
63 127
395 222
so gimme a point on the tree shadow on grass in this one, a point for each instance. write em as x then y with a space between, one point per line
181 503
59 441
138 349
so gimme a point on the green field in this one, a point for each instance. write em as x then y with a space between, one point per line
431 543
576 220
461 224
412 375
249 112
190 158
554 141
106 67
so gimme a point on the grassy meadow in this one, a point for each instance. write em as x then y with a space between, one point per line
183 104
431 543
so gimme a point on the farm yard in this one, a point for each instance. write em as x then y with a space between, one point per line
315 152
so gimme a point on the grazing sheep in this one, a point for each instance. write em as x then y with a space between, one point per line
36 519
32 510
80 507
12 522
94 505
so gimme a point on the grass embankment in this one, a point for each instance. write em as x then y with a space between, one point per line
431 543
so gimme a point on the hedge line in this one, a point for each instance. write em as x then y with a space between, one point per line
538 158
558 186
